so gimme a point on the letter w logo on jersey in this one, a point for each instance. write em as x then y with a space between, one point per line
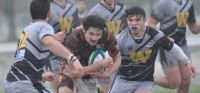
65 23
140 56
181 18
114 26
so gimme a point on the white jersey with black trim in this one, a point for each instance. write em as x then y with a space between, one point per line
116 21
31 53
139 55
173 16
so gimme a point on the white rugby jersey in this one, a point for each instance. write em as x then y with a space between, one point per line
139 55
31 53
64 18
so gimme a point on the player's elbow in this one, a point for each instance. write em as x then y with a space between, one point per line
47 40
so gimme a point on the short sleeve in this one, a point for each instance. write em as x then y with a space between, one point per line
46 30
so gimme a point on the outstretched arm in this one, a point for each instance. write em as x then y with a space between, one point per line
58 49
180 55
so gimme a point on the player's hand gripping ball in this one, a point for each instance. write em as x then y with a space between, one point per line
98 56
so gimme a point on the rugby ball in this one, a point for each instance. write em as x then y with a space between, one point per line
97 56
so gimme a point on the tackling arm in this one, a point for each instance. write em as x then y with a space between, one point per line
110 70
57 48
90 68
179 54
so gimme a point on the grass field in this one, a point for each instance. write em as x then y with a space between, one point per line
6 59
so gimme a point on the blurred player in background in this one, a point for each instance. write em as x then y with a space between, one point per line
81 5
34 45
113 12
64 19
139 45
173 16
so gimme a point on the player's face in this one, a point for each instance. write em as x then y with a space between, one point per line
81 5
109 2
136 23
92 35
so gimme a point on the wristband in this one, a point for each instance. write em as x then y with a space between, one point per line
187 62
71 58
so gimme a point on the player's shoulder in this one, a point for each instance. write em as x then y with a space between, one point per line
95 8
39 27
41 24
71 4
123 33
120 4
163 3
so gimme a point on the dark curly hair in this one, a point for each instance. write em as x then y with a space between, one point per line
94 21
135 11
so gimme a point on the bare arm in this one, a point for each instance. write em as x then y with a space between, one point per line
194 28
48 76
116 64
180 56
153 23
55 47
58 49
102 64
90 68
109 71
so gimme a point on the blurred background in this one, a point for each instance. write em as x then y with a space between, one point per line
14 16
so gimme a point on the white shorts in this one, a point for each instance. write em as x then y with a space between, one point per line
86 85
23 86
123 86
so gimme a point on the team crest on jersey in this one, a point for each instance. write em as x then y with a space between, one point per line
181 18
140 56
